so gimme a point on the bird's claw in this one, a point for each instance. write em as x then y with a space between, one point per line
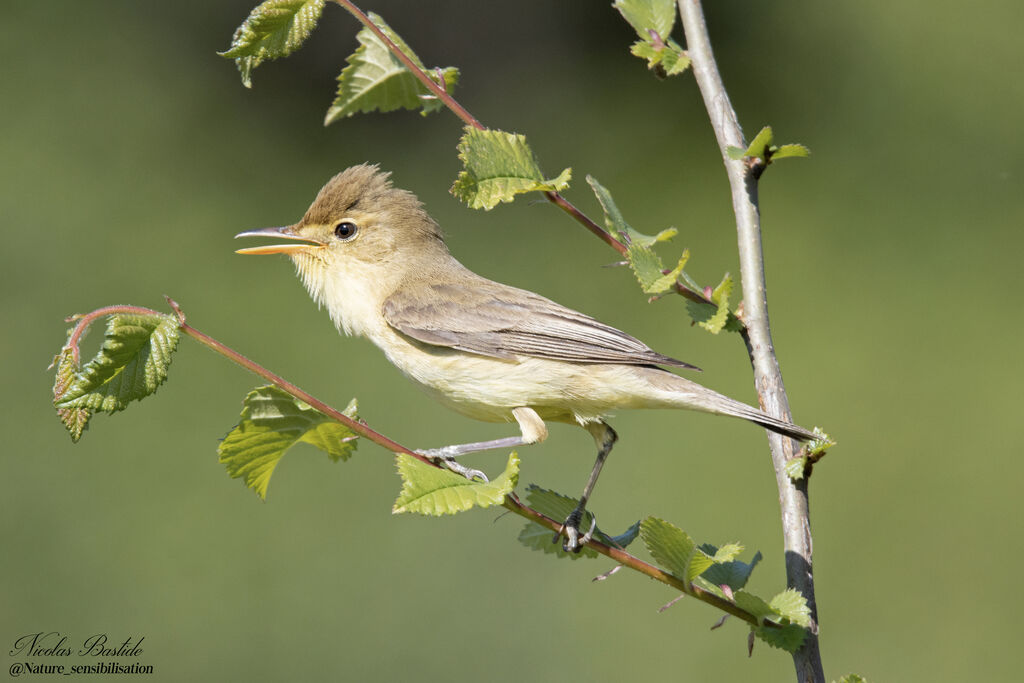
571 528
451 464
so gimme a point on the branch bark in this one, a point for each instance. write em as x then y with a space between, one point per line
793 496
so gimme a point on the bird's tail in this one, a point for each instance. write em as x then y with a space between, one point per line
687 394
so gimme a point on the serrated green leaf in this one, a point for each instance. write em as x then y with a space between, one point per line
554 506
673 549
75 419
498 166
130 365
791 150
852 678
735 153
429 490
615 222
790 604
667 59
647 15
714 317
796 467
732 573
272 422
376 80
789 637
761 142
275 28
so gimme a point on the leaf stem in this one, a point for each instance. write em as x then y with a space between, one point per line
793 496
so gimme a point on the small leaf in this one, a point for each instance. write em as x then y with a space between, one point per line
648 15
760 144
429 490
673 549
796 467
732 572
130 365
852 678
791 605
272 422
557 507
666 59
614 221
791 150
275 28
789 637
75 419
714 317
376 80
498 166
735 153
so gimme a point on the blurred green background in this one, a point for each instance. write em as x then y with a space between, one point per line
132 155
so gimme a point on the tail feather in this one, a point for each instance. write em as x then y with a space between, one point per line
687 394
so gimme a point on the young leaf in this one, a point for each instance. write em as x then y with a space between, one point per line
791 605
728 572
130 365
759 146
614 221
715 317
498 166
554 506
796 467
789 637
646 15
791 150
653 21
75 419
673 549
852 678
429 490
275 28
272 422
376 80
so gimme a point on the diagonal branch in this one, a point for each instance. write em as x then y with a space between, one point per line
793 496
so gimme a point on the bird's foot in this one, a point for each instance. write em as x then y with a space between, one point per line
438 456
574 542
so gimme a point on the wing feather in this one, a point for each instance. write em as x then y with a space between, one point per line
492 319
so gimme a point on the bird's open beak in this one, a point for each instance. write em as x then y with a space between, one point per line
304 244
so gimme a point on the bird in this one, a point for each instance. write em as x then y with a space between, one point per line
371 255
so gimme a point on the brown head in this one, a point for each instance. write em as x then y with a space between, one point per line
359 231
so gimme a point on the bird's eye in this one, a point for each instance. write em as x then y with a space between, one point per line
345 230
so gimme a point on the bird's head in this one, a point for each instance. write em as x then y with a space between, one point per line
359 231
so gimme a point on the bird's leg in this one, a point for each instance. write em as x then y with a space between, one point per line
605 437
530 424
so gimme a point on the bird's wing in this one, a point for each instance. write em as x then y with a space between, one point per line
493 319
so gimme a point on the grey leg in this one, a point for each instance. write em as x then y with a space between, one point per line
605 437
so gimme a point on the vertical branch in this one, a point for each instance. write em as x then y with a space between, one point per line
793 497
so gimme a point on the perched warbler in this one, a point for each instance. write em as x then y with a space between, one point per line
369 253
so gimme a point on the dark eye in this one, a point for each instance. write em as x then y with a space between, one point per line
345 230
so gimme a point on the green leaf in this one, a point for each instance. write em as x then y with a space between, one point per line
852 678
376 80
498 166
666 59
715 317
735 153
614 221
791 605
789 637
429 490
760 144
726 572
673 549
275 28
645 15
75 419
796 467
648 269
130 365
791 150
272 422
